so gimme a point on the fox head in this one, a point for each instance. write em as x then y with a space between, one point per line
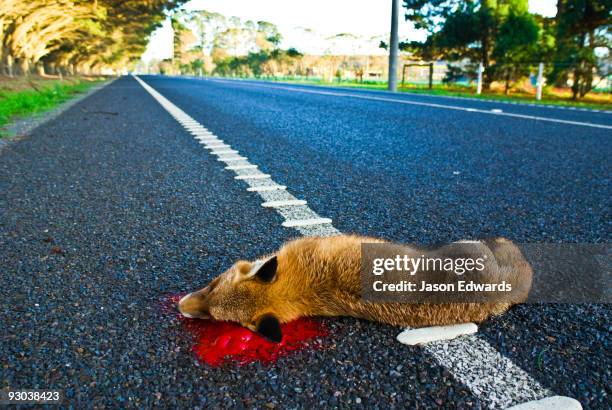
245 293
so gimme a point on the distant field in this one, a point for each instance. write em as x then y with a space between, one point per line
25 96
551 96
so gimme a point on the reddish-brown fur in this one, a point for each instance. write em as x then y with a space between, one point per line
321 277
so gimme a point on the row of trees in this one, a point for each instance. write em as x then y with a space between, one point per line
70 36
211 43
509 41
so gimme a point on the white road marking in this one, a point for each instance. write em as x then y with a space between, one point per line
550 403
252 176
423 104
306 222
238 167
496 110
278 204
232 158
435 333
223 151
266 188
491 100
491 377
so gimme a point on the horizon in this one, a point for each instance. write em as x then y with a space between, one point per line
369 24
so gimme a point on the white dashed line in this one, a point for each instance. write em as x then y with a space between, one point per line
239 167
278 204
435 333
233 158
252 176
491 377
266 188
307 222
550 403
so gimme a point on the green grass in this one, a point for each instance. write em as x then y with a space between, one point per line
595 100
27 102
546 99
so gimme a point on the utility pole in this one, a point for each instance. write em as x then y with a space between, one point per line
479 84
393 46
540 81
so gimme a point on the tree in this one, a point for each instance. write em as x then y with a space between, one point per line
515 46
469 29
268 36
76 35
582 30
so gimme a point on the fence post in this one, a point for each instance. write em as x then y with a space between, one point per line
540 81
431 69
479 85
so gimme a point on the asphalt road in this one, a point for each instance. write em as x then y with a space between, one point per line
113 206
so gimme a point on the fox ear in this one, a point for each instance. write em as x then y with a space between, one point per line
269 327
266 271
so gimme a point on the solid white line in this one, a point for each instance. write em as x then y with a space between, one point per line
278 204
254 176
266 188
423 104
238 167
306 222
471 359
456 97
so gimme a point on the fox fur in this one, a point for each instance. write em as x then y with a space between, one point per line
320 276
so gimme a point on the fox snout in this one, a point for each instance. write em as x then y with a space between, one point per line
194 305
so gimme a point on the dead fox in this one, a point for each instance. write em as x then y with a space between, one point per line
320 276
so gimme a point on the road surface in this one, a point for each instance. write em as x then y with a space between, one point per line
113 206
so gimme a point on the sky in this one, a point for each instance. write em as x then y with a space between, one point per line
369 19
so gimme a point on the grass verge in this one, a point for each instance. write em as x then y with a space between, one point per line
19 97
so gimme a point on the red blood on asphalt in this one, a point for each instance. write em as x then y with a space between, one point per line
217 343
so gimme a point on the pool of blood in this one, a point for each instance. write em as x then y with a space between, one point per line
218 343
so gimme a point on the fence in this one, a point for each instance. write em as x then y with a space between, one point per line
465 74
